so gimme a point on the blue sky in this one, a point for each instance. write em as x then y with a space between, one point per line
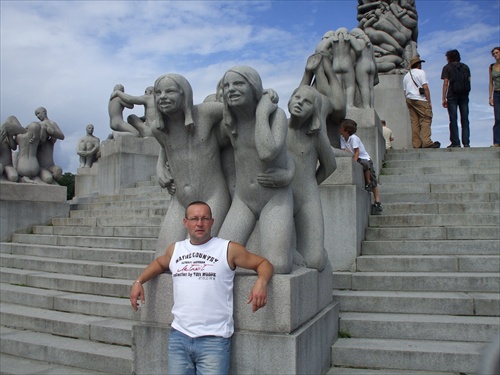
68 55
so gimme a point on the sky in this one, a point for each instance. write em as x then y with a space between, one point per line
68 55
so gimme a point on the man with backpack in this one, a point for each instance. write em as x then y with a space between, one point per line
456 88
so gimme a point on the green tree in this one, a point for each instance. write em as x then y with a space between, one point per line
68 180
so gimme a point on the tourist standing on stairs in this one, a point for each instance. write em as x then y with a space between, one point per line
203 270
456 88
418 100
494 90
387 132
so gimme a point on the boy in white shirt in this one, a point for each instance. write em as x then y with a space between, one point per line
352 143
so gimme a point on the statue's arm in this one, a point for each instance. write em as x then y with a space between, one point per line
163 171
270 131
54 131
326 157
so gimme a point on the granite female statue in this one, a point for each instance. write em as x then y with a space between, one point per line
256 129
9 130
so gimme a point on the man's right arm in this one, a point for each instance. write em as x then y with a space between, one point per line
155 268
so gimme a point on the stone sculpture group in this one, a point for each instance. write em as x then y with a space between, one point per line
258 170
34 162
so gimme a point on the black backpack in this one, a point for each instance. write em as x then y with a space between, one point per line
459 79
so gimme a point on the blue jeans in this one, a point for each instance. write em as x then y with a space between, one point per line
496 111
206 355
462 102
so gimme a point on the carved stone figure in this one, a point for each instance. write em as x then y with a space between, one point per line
28 166
343 63
189 163
143 123
256 129
366 68
88 148
9 130
314 159
50 133
320 68
115 108
392 26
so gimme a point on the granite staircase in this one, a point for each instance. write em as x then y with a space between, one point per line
424 298
64 289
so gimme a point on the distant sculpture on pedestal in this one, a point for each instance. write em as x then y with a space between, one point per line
256 128
392 27
88 148
143 123
115 109
9 130
309 146
50 133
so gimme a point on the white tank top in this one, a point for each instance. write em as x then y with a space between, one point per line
203 289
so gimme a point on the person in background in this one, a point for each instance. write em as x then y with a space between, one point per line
203 269
456 88
418 100
387 132
351 142
494 90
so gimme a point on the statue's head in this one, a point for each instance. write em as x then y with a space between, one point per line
305 106
149 90
90 129
41 113
119 87
242 86
173 92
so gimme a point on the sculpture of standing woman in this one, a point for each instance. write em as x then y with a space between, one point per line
257 130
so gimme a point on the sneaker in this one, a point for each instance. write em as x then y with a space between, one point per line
378 207
369 188
452 146
434 145
466 145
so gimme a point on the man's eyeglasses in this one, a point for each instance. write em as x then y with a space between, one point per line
196 219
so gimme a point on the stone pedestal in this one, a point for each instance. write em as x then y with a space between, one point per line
346 208
24 205
86 181
125 161
293 334
390 105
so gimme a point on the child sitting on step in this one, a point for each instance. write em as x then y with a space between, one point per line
351 142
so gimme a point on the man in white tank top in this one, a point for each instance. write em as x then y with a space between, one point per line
203 273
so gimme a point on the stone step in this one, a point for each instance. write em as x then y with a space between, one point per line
438 197
148 188
79 303
477 176
71 266
143 257
131 212
91 205
74 230
424 170
426 355
113 359
15 365
402 208
131 196
64 282
87 327
110 221
383 371
442 154
440 303
419 327
431 247
428 263
427 220
484 164
438 232
424 281
428 187
126 243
